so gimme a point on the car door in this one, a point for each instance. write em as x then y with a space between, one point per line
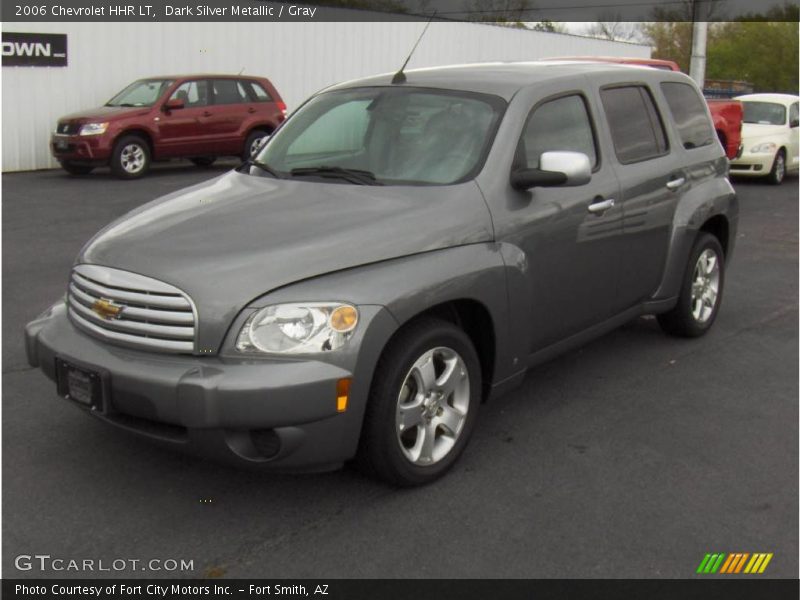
183 131
230 109
652 180
793 159
569 235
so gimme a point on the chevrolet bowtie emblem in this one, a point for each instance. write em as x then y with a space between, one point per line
106 309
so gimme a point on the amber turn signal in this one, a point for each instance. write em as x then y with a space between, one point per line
343 319
342 394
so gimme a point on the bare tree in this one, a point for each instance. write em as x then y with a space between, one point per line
616 30
508 12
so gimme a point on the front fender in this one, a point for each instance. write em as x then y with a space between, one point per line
411 285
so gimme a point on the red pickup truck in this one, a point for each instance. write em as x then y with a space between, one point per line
727 114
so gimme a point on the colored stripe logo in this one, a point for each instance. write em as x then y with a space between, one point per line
734 563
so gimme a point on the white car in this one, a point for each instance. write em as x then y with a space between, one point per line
770 146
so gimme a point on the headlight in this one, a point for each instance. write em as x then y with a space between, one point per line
765 148
93 129
298 328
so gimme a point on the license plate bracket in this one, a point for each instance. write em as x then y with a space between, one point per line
79 385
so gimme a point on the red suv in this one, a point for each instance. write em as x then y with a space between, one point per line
199 117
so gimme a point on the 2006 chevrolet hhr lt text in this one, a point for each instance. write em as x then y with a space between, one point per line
400 250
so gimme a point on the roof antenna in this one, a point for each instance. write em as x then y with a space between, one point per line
240 72
400 77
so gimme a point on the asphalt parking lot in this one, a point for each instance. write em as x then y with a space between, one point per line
631 457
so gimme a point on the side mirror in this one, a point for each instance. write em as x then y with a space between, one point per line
173 104
559 168
794 123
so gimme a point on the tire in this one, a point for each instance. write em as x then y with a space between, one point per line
701 292
74 169
778 172
250 143
424 351
130 158
203 161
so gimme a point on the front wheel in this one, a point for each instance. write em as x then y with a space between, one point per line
131 157
778 172
422 405
701 293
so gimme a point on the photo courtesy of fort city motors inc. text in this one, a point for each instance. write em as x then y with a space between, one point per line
402 299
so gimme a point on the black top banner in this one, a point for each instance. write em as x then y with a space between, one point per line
733 588
34 49
401 10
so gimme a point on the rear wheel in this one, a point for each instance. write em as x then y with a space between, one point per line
778 172
203 161
74 169
701 293
423 404
131 157
253 143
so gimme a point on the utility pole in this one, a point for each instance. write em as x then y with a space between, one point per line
697 66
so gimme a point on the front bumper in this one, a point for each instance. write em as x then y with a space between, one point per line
278 414
752 165
81 149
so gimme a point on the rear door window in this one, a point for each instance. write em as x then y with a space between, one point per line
228 91
689 113
559 124
636 127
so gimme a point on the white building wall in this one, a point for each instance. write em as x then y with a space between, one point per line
299 58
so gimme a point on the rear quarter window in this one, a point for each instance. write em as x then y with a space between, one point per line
689 114
258 93
636 126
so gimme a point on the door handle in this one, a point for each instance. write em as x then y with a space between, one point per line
251 110
601 206
674 184
206 113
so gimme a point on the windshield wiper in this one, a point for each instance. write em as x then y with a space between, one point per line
263 166
358 176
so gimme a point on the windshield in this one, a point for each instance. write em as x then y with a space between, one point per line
394 136
141 93
764 113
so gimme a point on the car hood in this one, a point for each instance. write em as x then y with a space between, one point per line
234 238
756 131
106 113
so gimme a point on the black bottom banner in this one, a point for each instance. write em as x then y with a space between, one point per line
410 589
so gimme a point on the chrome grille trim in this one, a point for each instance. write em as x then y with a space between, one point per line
155 315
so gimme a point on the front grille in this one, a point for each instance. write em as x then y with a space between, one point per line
131 309
68 128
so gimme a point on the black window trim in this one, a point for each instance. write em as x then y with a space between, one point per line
638 84
586 104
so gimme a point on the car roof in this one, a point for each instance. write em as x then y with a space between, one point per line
502 78
779 98
204 76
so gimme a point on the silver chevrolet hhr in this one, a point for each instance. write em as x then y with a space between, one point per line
401 250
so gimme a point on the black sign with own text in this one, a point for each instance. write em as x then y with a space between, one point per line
34 49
